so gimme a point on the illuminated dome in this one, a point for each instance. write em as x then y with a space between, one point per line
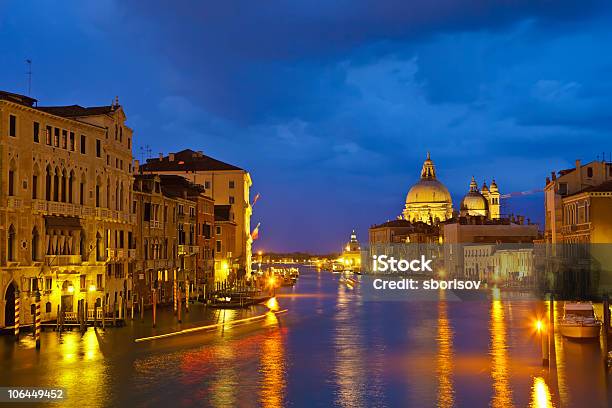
428 200
428 191
474 203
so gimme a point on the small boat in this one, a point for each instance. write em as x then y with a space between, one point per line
579 321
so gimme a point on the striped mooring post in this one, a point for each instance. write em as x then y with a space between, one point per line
154 295
17 301
174 296
37 321
187 296
180 305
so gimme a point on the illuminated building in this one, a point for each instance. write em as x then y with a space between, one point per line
578 204
428 200
402 231
483 203
167 230
351 254
226 184
64 206
578 229
499 264
225 242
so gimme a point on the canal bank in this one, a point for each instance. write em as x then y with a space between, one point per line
331 348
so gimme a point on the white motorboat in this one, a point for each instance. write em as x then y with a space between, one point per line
579 321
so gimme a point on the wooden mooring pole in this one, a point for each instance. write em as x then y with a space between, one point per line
103 313
154 306
605 329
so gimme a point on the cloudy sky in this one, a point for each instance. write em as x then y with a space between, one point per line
332 106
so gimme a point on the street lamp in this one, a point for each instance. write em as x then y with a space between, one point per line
540 328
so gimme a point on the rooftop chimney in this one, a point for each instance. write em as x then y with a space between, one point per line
577 164
136 166
171 157
161 156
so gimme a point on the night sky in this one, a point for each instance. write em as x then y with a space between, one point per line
332 105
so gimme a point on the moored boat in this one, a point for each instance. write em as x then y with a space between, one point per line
579 321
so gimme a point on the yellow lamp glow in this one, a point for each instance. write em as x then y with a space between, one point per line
539 326
271 281
70 289
92 288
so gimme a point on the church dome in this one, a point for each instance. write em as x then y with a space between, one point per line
428 191
474 203
428 200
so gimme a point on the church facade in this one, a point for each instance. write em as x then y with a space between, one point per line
429 201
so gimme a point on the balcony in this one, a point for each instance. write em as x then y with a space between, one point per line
54 208
116 253
63 260
583 228
75 210
154 224
14 203
188 249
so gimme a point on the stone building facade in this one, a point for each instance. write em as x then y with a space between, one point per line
226 184
65 217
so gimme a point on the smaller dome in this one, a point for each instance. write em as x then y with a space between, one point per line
474 203
484 188
494 188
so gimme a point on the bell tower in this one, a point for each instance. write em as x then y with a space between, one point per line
494 204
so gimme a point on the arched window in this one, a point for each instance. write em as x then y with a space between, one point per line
117 196
56 184
83 247
108 191
71 187
99 249
48 184
82 190
63 186
35 178
35 244
12 243
98 187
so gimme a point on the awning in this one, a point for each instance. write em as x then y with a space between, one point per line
55 222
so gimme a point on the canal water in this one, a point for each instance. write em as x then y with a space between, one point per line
330 348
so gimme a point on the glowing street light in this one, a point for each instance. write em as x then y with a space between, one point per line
92 288
70 288
539 326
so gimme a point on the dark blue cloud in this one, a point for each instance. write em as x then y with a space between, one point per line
332 105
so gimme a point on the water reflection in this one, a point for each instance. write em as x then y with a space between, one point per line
330 349
446 397
273 367
502 393
349 368
540 394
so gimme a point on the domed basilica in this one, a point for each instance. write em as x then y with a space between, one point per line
430 202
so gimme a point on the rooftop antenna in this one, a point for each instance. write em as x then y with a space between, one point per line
145 152
29 74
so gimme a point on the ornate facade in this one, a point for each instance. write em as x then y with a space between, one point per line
483 203
428 200
64 206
